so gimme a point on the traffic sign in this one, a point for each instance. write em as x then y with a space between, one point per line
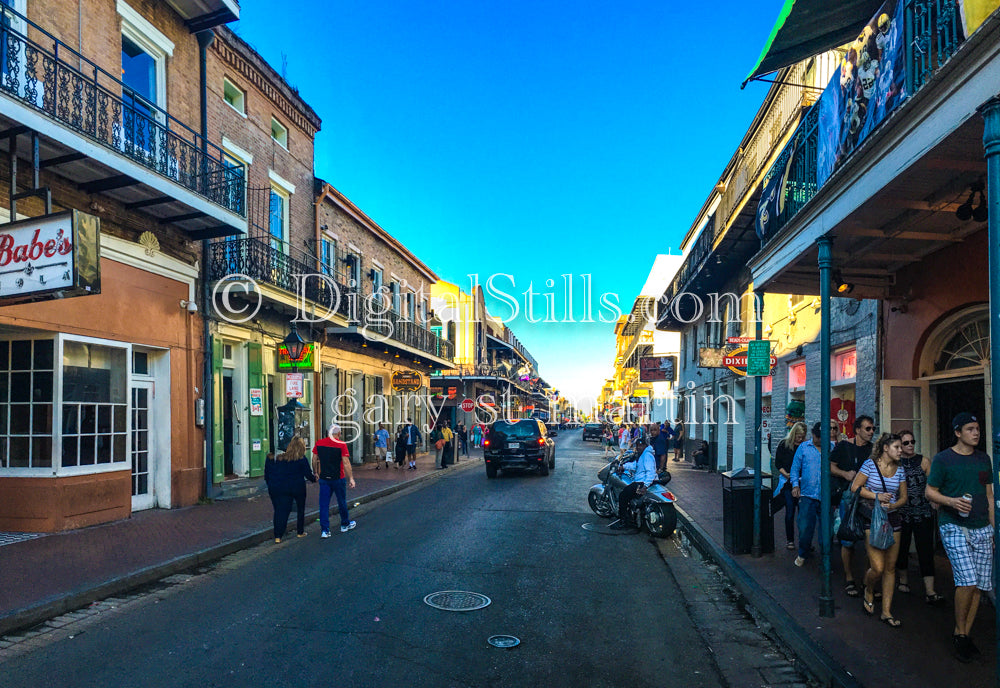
759 358
468 405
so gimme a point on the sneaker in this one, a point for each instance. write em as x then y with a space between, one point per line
277 541
325 534
799 561
963 651
790 544
344 529
301 534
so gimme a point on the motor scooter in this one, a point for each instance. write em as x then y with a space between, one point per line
653 509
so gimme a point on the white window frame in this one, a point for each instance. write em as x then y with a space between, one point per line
57 469
287 198
227 83
137 29
330 265
284 133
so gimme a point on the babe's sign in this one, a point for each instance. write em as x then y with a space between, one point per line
48 257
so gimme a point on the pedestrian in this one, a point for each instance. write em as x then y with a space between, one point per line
413 438
846 459
332 463
285 476
437 439
678 439
660 445
399 449
609 440
961 483
381 446
477 435
668 430
918 521
624 439
783 456
448 457
806 488
702 455
463 439
882 477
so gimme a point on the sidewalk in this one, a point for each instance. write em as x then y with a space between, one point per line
50 575
917 654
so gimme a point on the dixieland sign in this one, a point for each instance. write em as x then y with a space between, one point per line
406 381
50 257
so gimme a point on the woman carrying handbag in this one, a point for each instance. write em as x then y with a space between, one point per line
882 480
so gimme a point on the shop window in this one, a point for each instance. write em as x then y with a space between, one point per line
797 377
845 366
26 387
766 385
94 404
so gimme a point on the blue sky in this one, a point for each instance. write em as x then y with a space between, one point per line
533 139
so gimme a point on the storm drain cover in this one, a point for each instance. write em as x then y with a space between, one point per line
503 641
457 600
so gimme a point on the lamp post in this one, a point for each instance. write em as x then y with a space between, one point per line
294 343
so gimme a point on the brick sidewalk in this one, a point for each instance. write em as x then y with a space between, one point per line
53 571
917 654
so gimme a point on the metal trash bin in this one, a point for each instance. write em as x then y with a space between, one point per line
737 512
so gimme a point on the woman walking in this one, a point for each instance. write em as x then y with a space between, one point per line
882 477
285 476
477 434
399 450
918 521
783 455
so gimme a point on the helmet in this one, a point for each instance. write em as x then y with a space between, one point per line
883 23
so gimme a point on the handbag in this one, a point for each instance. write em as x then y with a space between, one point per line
881 536
852 526
439 444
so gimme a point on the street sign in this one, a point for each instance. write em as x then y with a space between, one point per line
759 358
468 405
294 386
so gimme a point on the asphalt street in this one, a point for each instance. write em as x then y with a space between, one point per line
590 609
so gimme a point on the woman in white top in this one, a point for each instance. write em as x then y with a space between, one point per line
882 477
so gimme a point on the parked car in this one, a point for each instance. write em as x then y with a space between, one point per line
524 443
592 431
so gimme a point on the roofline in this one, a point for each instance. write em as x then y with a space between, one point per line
328 191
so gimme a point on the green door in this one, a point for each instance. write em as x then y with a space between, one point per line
257 424
218 435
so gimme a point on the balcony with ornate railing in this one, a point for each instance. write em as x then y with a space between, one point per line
39 71
931 37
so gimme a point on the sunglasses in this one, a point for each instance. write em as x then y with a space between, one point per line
910 443
870 428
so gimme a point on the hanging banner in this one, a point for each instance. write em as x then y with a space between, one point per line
974 13
869 84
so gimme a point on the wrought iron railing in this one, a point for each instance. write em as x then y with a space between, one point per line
47 75
266 261
932 35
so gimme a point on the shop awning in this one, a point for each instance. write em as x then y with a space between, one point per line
810 27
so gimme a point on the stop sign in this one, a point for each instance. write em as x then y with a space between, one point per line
468 405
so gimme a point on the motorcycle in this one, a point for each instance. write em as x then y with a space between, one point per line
653 509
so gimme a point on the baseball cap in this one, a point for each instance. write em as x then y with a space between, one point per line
963 419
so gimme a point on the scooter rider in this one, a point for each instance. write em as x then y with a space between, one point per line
644 468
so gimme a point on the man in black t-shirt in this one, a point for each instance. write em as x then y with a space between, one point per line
845 460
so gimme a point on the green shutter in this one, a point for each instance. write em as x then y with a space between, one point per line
257 424
218 436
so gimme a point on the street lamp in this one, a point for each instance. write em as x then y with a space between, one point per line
294 344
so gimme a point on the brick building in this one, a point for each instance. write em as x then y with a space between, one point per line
101 354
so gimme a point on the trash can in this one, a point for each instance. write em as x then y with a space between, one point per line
737 512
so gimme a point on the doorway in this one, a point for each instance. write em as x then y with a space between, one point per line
143 454
228 425
954 397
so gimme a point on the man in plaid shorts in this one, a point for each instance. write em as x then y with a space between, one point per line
966 524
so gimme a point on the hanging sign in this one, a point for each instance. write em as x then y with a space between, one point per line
294 385
303 362
49 257
406 381
759 358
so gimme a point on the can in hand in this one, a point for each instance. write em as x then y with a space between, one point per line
967 497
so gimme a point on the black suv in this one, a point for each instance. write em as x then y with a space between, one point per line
519 444
592 431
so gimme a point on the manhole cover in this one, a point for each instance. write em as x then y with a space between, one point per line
457 600
503 641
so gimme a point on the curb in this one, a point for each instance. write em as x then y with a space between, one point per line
785 628
35 614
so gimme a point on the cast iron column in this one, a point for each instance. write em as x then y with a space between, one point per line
991 142
825 522
757 387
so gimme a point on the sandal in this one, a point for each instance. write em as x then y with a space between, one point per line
934 598
869 606
903 587
891 621
851 589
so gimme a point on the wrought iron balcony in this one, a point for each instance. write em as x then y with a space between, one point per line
268 263
932 35
48 76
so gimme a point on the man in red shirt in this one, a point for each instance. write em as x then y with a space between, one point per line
332 463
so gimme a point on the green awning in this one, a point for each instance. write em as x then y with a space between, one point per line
810 27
